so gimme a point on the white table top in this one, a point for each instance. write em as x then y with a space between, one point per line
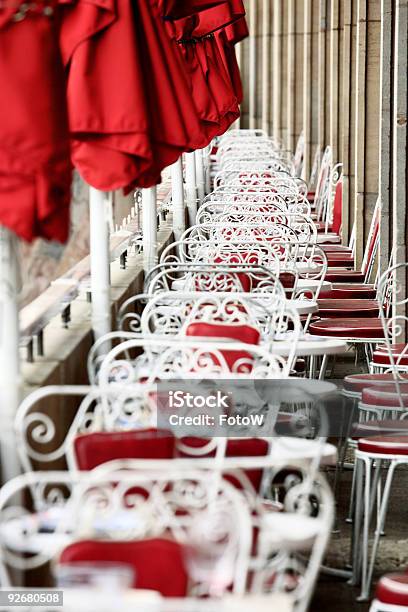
303 283
312 285
309 346
302 306
87 600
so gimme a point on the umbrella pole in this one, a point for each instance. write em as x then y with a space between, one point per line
149 226
207 165
9 352
100 263
191 187
200 174
177 196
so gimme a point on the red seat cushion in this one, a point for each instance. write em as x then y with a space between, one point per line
357 382
96 448
350 291
386 396
385 445
158 564
331 239
241 333
348 328
337 260
377 428
393 589
236 447
345 276
347 308
336 248
381 355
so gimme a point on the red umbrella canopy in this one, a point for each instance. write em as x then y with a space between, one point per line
237 31
177 9
130 106
215 93
35 168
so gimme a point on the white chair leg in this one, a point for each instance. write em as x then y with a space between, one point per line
366 527
349 518
358 513
383 513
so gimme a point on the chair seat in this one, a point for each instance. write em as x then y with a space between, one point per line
393 589
385 445
347 308
356 383
381 356
368 328
340 259
158 563
329 238
336 248
345 276
386 395
379 428
350 291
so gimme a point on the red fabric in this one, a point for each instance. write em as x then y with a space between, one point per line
243 447
241 333
347 308
337 260
229 58
338 208
237 31
347 328
35 168
381 355
385 445
349 291
131 111
218 82
177 9
345 276
218 17
197 77
336 248
355 383
158 564
245 280
94 449
375 428
393 589
386 396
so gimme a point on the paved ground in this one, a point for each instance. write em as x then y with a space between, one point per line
336 595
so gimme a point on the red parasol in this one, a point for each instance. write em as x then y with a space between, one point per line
35 175
130 107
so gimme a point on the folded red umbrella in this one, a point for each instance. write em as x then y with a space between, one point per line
219 83
227 39
181 33
178 9
237 31
35 175
130 106
227 51
212 87
218 17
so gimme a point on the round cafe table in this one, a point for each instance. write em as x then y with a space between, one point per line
135 600
310 346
